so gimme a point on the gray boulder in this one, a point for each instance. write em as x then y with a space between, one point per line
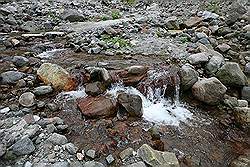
157 158
27 99
20 61
132 104
42 90
57 139
73 16
95 88
230 74
214 64
188 76
23 146
210 91
198 58
11 77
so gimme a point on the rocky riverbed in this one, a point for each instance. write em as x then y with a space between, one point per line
95 83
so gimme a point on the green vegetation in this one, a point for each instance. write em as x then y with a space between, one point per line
129 2
213 6
121 42
104 18
115 14
184 39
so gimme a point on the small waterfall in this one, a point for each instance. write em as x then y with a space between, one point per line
157 107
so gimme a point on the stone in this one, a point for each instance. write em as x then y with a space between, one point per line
20 61
90 153
27 99
130 103
42 90
96 107
23 146
231 102
172 23
230 74
71 148
11 77
52 107
224 47
80 156
157 158
57 76
110 159
100 74
214 64
28 164
95 88
206 15
137 70
245 93
188 76
3 149
137 164
93 164
242 115
198 58
57 139
192 22
60 164
73 16
241 161
126 153
247 69
210 91
242 103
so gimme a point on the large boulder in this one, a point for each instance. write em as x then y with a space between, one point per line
57 76
198 58
210 91
188 76
95 88
73 16
96 107
11 77
23 146
157 158
230 74
132 104
100 74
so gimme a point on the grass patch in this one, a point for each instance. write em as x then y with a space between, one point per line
115 14
115 41
129 2
213 6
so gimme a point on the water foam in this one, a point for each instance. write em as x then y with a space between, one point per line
156 108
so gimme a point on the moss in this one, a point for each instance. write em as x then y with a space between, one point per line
115 14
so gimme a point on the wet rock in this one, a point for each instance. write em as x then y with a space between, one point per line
93 164
223 47
95 107
126 153
73 16
198 58
137 164
95 88
231 74
188 76
3 150
57 139
192 21
90 154
210 91
23 146
100 74
130 103
110 159
27 99
11 77
214 64
137 70
157 158
71 148
129 79
57 76
246 93
20 61
42 90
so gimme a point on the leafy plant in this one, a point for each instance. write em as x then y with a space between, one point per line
115 40
104 18
129 2
115 14
184 39
213 6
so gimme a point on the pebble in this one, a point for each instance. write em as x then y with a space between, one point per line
91 153
110 159
27 99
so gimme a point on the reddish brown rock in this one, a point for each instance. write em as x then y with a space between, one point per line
97 107
57 76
